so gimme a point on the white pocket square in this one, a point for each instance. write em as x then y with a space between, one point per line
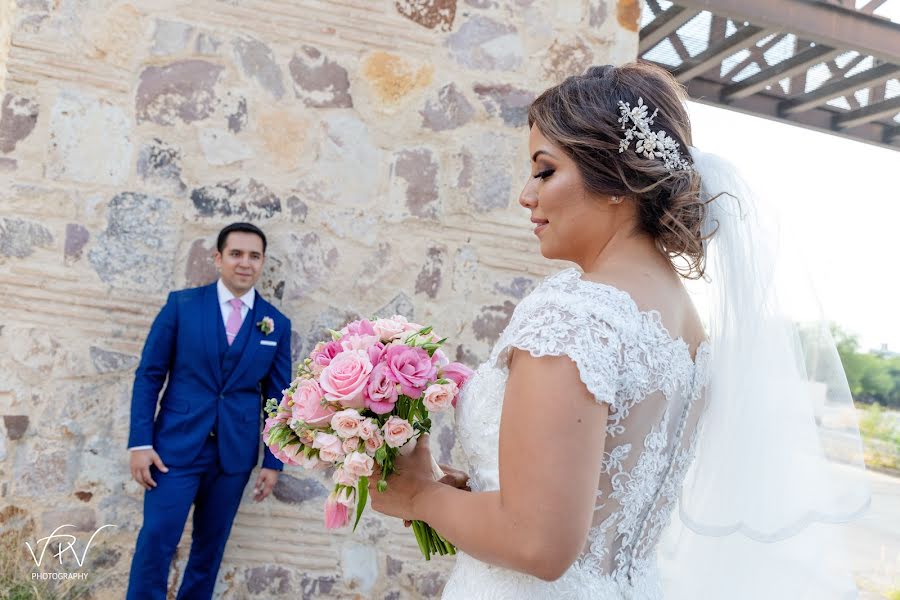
268 343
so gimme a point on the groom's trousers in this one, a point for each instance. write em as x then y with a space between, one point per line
215 496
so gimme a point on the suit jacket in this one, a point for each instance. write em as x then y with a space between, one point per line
199 397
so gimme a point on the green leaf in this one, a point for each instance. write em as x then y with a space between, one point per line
362 494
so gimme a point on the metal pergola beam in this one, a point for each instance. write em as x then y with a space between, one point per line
872 112
839 88
665 24
789 67
818 119
716 53
821 22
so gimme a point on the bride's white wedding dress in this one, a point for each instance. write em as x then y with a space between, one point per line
655 392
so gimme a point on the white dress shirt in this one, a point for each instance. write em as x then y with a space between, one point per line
225 297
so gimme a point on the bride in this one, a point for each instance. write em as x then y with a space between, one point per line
609 404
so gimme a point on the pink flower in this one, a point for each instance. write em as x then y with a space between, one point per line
381 393
308 405
342 477
337 514
440 359
269 423
347 497
367 427
346 423
309 462
388 329
330 447
307 436
345 378
458 373
350 445
440 396
358 342
361 327
359 465
397 431
292 454
375 352
410 367
323 354
374 442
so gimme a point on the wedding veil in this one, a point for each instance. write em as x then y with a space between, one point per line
778 458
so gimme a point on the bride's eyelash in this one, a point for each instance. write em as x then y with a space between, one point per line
544 174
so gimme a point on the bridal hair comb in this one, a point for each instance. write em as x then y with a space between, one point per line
650 144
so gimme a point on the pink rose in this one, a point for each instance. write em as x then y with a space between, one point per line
308 405
361 327
330 447
359 465
323 354
358 342
397 431
346 423
374 442
292 454
309 462
367 427
456 372
381 393
375 352
410 367
350 445
343 477
307 436
345 378
337 514
440 396
388 329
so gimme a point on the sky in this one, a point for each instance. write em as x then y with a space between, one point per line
839 201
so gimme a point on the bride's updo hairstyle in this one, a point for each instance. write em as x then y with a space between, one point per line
581 116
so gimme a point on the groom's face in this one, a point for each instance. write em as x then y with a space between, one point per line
241 261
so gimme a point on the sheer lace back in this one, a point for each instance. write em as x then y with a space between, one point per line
654 389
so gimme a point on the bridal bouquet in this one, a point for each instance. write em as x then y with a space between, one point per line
359 400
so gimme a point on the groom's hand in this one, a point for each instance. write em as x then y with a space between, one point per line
264 484
140 466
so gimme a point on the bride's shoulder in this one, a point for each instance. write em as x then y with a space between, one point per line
567 296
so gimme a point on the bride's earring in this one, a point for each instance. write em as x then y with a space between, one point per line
615 200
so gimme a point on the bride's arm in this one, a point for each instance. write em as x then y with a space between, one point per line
551 445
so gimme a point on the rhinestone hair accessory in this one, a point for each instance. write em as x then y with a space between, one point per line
650 144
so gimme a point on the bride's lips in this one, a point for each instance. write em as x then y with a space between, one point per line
540 225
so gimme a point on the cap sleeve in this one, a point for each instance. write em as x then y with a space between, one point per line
565 325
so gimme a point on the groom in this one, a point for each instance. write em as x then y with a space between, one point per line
218 349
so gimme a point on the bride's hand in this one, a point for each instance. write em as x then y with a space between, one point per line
412 475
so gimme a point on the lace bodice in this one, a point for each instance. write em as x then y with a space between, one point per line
654 389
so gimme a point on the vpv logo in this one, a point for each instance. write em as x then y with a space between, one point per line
64 547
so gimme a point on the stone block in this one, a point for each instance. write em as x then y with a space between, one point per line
182 91
19 238
17 119
90 141
482 43
247 199
431 14
318 81
297 490
258 63
137 248
449 110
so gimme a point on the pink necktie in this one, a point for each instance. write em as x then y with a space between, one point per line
233 325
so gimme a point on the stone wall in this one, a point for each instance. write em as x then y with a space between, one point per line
380 144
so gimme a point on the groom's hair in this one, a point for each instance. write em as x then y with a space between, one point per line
244 227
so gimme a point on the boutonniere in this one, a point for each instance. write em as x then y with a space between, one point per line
267 325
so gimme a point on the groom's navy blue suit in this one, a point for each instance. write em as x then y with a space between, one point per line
207 431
